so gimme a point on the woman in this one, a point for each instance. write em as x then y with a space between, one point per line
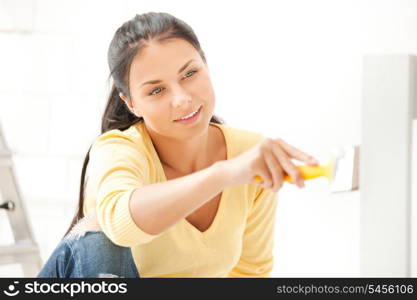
170 190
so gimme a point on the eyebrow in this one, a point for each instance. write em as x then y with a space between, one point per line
159 81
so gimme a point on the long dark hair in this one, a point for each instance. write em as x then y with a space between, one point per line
127 41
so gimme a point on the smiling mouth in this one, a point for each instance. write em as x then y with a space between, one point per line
192 116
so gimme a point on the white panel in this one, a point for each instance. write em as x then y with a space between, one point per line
414 202
388 83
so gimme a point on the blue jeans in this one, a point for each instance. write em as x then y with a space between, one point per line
89 255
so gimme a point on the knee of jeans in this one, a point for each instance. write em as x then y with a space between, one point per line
88 223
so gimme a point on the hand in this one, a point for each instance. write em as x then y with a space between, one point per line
87 223
270 159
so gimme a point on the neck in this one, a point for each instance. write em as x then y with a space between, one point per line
184 157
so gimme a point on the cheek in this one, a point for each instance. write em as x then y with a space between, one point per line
204 90
204 84
159 111
154 111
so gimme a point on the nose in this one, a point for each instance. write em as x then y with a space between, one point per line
180 97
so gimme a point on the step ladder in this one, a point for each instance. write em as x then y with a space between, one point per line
25 250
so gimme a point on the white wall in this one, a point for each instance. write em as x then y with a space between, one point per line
291 68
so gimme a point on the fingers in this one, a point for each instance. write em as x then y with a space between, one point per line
297 154
265 175
277 162
287 165
275 170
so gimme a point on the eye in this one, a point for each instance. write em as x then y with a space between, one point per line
152 93
192 72
158 88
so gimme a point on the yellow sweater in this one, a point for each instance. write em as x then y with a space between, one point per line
239 242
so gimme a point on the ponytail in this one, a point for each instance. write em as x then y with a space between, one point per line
116 116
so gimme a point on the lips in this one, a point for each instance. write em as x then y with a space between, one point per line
196 112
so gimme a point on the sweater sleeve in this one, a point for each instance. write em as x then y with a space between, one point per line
116 168
256 259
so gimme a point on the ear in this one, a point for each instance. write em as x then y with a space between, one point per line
125 100
129 104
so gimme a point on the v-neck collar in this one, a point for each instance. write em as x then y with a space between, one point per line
222 202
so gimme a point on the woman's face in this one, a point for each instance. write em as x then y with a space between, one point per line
169 81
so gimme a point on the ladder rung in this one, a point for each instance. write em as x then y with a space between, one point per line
5 153
5 158
18 249
18 254
5 162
